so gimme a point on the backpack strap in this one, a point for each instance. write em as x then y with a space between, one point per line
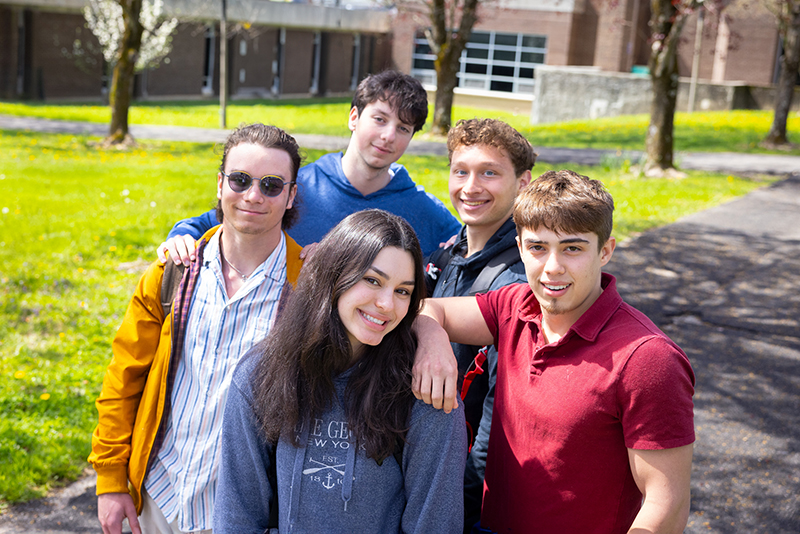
169 284
475 369
493 269
437 261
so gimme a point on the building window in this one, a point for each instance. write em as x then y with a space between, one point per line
491 61
209 63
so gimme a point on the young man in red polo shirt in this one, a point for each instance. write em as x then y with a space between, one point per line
592 428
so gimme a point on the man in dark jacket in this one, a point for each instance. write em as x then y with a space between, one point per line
490 162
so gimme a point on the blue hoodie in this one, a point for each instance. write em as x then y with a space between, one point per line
325 485
326 197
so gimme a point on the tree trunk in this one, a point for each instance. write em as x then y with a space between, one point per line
122 78
446 69
666 24
784 91
448 47
660 140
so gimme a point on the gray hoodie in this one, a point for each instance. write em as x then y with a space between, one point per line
325 485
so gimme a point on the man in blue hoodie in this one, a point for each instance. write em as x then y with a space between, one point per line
490 162
387 110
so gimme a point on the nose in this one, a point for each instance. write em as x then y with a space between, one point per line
253 194
388 134
553 263
385 299
471 184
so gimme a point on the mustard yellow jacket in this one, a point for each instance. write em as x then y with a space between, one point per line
132 402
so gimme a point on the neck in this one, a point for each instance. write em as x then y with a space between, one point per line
364 178
556 325
246 252
478 236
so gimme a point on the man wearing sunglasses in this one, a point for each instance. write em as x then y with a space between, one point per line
387 110
156 445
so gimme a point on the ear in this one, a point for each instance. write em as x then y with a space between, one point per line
291 197
524 180
352 120
220 183
608 250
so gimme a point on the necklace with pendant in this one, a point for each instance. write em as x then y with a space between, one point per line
232 266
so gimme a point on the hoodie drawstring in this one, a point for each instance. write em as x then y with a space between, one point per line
347 483
297 476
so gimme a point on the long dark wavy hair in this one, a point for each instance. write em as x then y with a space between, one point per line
308 345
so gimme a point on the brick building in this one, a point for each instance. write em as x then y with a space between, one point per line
515 36
275 49
323 47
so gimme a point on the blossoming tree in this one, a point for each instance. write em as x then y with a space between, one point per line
134 35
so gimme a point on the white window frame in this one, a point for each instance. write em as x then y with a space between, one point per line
487 81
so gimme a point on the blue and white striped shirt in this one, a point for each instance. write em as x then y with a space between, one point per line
183 479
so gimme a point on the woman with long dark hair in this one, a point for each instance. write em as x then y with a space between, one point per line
321 429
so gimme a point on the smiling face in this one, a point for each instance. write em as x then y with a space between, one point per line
483 185
379 137
563 270
251 212
377 303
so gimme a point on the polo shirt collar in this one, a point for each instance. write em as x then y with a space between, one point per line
589 325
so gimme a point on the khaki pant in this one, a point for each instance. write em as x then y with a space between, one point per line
153 521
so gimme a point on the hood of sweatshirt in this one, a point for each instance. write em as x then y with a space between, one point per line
400 181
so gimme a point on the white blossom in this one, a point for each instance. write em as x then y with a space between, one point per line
104 18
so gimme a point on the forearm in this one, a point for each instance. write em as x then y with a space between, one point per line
460 317
663 476
662 516
435 372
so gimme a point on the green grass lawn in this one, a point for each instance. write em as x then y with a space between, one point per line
78 226
718 131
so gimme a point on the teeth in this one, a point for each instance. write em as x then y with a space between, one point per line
473 202
555 288
372 319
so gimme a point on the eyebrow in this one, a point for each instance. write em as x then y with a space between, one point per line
387 113
383 274
485 164
562 242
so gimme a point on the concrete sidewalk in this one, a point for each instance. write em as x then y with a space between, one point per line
724 162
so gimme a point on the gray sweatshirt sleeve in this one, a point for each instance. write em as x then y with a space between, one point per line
433 470
244 492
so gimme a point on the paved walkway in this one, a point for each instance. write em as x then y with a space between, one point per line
725 162
724 284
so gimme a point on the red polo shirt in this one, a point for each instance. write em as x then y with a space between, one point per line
566 413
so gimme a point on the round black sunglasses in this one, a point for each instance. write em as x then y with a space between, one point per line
240 181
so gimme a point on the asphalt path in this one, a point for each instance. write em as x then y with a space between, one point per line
723 283
726 162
